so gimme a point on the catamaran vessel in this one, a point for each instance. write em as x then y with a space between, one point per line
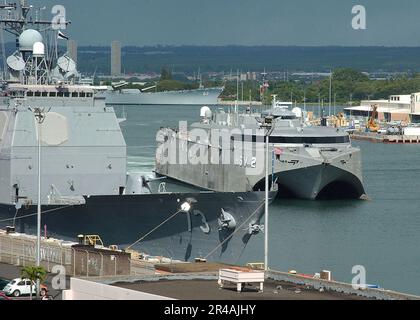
308 162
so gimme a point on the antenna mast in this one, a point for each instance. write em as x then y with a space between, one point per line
26 63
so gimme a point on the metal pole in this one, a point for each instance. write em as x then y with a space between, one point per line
38 229
329 105
335 103
266 203
237 90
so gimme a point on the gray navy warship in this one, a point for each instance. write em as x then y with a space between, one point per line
308 162
201 96
85 188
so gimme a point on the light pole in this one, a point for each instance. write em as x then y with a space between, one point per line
268 125
329 105
39 117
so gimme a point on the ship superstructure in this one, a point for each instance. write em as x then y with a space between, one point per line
85 187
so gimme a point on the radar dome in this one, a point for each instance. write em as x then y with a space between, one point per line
28 38
205 112
39 49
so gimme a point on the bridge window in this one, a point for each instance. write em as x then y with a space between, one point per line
45 94
67 94
53 94
74 95
37 94
82 95
89 95
29 94
60 94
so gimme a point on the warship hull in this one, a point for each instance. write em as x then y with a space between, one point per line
184 97
122 220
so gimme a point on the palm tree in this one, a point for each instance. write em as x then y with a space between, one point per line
33 274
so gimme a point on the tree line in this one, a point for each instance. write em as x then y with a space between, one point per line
347 85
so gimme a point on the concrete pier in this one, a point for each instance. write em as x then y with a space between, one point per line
385 138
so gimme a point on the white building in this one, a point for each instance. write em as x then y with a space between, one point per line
396 108
116 58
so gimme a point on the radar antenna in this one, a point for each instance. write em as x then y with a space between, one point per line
25 64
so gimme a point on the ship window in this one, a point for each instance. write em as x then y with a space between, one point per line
29 94
74 94
60 94
82 95
89 95
37 94
67 94
53 94
45 94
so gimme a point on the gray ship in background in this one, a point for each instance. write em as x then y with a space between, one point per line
84 185
307 162
201 96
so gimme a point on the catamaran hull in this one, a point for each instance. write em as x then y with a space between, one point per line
318 183
122 220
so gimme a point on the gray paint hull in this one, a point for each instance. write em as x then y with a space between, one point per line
309 183
185 97
122 220
306 172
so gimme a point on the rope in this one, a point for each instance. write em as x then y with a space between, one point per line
34 214
233 233
153 230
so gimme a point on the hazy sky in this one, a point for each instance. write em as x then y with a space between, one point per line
242 22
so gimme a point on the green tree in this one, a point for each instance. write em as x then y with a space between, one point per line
33 274
351 75
165 74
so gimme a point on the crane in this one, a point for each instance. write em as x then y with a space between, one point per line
372 125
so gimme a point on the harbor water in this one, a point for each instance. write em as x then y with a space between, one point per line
381 234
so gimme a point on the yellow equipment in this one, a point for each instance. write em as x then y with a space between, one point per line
90 240
372 125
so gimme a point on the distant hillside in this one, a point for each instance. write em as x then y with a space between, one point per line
225 58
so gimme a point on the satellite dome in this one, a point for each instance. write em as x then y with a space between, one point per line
39 49
28 38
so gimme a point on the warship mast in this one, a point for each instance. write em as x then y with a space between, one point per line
27 65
